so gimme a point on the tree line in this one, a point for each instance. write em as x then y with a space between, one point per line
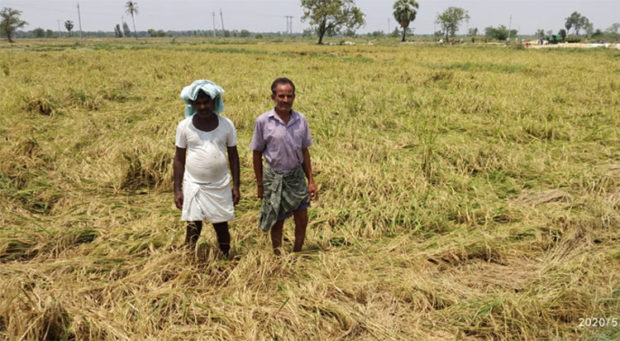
332 17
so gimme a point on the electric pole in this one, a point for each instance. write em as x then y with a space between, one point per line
59 32
509 27
79 19
289 24
213 13
222 19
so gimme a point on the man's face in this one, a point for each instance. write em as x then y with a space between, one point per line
203 105
284 97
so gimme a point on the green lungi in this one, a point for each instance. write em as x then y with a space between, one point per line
283 194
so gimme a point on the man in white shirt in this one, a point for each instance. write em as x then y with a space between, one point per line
201 180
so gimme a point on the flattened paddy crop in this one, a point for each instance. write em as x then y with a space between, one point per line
464 193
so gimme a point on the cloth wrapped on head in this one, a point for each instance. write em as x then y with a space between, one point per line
190 93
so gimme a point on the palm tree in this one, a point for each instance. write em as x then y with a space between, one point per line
10 22
69 26
132 9
404 13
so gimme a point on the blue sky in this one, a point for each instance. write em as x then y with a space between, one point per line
269 15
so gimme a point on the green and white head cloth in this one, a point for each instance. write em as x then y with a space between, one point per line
190 93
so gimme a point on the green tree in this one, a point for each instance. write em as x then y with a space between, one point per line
473 32
117 31
330 16
404 13
613 29
499 33
49 34
132 9
577 22
307 33
126 30
69 26
10 22
376 34
38 32
562 33
587 25
540 34
156 33
450 19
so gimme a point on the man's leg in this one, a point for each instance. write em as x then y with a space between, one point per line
276 236
223 237
193 232
301 221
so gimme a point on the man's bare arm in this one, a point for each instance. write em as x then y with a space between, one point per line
257 162
233 160
307 167
178 167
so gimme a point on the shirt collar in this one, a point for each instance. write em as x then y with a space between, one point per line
294 116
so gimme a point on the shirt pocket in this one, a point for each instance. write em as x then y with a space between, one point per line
276 135
294 139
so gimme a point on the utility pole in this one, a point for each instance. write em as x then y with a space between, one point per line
509 26
213 13
59 32
222 19
289 24
79 19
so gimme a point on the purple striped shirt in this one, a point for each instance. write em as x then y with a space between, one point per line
280 142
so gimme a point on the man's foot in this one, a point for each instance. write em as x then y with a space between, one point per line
225 250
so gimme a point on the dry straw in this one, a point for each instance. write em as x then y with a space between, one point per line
465 193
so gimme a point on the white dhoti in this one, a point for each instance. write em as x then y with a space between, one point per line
212 202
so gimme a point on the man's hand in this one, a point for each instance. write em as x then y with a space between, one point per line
178 199
259 191
314 193
236 195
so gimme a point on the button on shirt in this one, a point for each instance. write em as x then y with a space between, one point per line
280 142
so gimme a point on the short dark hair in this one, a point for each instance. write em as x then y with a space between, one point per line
281 80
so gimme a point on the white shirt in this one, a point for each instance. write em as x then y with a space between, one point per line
206 160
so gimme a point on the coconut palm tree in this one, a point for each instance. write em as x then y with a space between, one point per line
404 13
132 9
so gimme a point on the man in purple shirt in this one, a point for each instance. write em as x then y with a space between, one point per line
282 136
